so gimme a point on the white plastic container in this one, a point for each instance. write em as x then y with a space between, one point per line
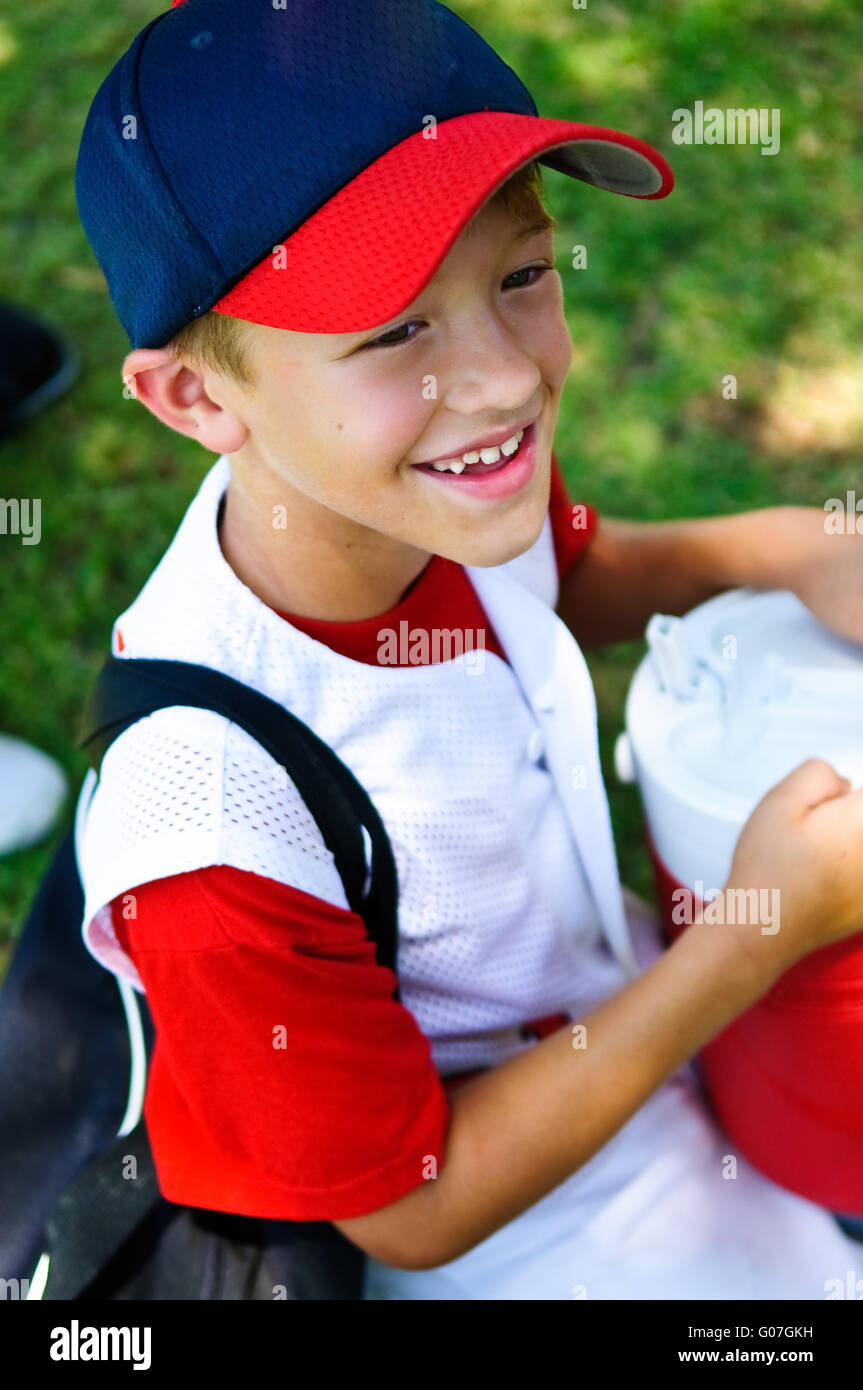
727 702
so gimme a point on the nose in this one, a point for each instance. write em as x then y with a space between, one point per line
489 370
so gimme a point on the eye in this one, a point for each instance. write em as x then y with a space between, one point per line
389 340
540 270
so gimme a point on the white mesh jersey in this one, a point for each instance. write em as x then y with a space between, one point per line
510 906
485 774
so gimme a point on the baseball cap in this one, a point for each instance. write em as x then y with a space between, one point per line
307 164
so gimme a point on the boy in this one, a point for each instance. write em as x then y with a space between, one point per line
365 323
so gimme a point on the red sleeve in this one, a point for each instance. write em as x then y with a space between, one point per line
286 1082
573 525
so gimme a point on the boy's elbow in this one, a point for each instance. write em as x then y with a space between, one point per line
408 1257
430 1254
402 1252
405 1235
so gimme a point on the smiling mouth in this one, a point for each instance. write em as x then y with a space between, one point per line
479 461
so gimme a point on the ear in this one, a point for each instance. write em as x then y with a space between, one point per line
177 395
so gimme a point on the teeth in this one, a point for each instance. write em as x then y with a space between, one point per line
507 448
492 455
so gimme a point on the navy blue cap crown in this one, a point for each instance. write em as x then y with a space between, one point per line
228 123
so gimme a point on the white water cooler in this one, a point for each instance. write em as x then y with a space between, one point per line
728 700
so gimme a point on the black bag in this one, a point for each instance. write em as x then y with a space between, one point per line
69 1038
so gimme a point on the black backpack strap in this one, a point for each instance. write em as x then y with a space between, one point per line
102 1208
98 1213
128 689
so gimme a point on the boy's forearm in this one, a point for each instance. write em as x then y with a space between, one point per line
522 1128
633 569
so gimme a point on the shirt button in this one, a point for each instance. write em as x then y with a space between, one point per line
536 745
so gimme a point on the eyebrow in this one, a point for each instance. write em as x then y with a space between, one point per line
532 229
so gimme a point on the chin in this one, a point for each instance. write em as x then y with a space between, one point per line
497 548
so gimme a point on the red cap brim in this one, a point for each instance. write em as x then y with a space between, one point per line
366 254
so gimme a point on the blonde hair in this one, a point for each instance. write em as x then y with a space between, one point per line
224 344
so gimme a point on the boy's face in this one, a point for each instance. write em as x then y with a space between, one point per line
338 422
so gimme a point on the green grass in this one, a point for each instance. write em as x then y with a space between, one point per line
751 267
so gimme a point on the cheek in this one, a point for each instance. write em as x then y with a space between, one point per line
380 420
343 431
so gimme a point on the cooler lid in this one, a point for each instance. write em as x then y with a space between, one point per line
741 690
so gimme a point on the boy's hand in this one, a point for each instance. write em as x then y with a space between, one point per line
804 838
791 548
825 571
